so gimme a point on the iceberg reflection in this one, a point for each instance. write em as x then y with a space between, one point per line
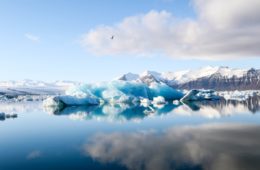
111 112
136 112
211 146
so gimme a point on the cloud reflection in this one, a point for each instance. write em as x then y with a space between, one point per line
212 146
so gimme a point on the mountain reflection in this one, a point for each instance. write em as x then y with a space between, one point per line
125 112
212 147
252 104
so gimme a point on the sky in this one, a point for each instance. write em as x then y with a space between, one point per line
71 40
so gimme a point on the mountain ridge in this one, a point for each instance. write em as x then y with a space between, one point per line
217 78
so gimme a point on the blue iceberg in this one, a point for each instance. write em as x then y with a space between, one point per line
114 92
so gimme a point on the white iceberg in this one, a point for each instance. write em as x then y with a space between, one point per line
176 102
195 95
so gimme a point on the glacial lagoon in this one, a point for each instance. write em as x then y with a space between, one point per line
196 135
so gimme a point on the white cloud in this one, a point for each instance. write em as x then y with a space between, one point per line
32 37
222 29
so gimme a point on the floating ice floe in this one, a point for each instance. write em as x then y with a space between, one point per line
196 95
176 102
238 95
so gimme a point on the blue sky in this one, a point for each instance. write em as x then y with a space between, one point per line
41 40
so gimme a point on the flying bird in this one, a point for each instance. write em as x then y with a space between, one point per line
112 37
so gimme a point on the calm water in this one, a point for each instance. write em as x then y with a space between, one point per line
203 135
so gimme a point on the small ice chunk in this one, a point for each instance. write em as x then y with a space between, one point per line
159 100
145 102
176 102
53 102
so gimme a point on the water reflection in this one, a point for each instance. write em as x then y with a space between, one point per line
252 104
125 112
20 107
162 141
115 112
212 146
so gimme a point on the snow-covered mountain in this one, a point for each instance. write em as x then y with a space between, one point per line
218 78
32 87
35 83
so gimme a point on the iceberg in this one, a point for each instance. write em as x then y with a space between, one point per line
128 92
113 92
195 95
